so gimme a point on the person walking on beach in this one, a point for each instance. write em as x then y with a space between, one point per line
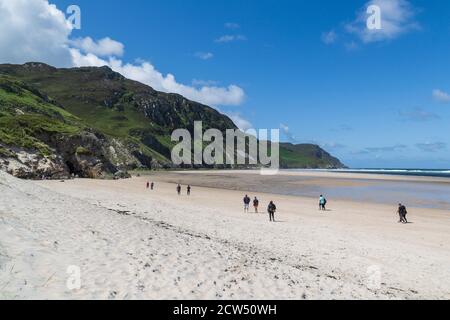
322 203
189 190
271 209
179 190
402 212
148 184
256 204
246 203
152 185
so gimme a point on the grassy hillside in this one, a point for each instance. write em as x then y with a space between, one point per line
306 156
26 114
126 124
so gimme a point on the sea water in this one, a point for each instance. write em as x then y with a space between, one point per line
427 194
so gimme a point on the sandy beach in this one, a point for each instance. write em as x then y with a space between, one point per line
132 243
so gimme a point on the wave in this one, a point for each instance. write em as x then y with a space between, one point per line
444 173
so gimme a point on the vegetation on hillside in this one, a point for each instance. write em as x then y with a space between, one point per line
40 104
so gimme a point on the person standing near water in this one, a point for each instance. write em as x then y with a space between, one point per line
179 190
271 209
402 212
188 190
246 203
322 203
256 204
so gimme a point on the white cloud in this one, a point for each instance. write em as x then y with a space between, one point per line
146 73
431 146
329 37
231 38
204 55
397 18
104 47
393 148
332 146
441 96
34 30
351 46
418 114
239 121
86 60
287 133
232 25
201 83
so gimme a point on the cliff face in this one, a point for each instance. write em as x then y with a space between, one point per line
38 138
93 122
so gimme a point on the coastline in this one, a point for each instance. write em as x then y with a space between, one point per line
422 192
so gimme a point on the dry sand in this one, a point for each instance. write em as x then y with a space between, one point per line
133 243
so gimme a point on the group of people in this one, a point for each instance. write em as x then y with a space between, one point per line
188 190
151 186
271 209
247 202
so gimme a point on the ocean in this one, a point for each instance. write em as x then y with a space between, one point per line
442 173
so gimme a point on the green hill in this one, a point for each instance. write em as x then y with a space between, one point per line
93 122
307 156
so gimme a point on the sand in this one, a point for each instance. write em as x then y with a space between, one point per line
132 243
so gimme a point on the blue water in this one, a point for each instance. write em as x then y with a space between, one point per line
427 194
443 173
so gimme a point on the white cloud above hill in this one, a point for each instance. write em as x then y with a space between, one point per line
102 48
35 30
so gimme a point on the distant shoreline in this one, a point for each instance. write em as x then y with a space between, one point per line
387 174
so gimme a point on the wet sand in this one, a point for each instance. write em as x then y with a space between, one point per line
422 192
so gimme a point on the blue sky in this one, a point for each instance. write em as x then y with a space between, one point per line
372 101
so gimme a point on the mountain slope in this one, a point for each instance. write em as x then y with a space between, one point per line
307 156
39 138
65 121
115 104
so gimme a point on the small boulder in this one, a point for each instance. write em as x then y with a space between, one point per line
121 175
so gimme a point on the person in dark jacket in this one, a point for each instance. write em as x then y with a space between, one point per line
271 209
402 212
246 203
256 204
